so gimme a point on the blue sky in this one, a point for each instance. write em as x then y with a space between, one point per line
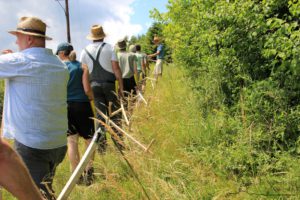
119 18
141 11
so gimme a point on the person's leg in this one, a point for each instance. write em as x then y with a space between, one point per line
38 163
56 157
161 67
87 130
73 152
85 125
101 104
133 90
111 97
126 87
158 69
133 85
89 170
14 175
74 119
72 134
90 164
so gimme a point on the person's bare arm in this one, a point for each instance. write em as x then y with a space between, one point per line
86 82
14 175
155 54
118 74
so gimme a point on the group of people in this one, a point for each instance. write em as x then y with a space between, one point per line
47 94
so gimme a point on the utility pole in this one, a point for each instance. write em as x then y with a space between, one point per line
68 21
66 11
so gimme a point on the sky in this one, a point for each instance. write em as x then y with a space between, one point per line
119 18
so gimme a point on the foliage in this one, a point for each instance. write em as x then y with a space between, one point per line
171 171
243 57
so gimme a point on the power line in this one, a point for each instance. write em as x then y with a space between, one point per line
58 1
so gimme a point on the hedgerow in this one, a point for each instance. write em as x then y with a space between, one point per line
244 59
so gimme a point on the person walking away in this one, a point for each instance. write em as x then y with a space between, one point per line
35 111
102 64
160 53
141 67
128 65
80 112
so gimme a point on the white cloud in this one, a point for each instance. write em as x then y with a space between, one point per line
116 30
113 15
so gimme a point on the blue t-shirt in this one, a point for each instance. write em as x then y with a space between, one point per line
75 88
161 50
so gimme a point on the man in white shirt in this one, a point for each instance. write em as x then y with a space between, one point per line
35 110
102 63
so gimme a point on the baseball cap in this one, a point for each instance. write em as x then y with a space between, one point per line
64 47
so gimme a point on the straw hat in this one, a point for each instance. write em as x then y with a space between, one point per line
31 26
156 39
96 33
122 44
132 48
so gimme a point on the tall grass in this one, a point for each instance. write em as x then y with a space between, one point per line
192 157
171 117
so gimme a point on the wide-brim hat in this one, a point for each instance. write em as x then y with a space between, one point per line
122 44
132 48
31 26
97 33
156 39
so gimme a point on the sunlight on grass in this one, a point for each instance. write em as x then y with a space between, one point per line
172 118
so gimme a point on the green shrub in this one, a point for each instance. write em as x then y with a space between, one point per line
243 58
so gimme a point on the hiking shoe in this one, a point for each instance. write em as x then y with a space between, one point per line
89 177
80 181
102 148
102 144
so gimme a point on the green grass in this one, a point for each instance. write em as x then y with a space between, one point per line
170 172
186 160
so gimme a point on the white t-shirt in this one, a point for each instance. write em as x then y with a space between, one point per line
126 62
107 55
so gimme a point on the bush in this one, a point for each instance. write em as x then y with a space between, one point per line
243 57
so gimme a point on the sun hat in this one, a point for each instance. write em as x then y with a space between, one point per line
156 39
132 48
97 33
122 44
31 26
64 47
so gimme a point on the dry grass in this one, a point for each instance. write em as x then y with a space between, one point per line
171 172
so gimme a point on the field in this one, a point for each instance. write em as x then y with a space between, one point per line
191 157
170 171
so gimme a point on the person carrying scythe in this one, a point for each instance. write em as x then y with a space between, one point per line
35 110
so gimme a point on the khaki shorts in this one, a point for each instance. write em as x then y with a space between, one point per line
158 67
